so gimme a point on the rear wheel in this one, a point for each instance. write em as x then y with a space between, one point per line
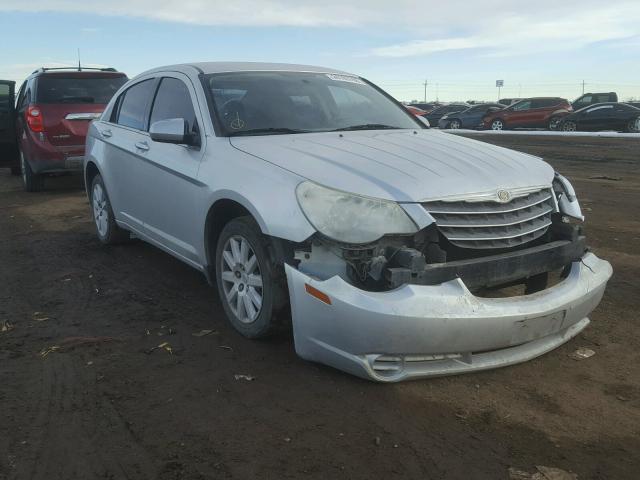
250 284
554 122
455 124
107 229
569 126
497 124
31 181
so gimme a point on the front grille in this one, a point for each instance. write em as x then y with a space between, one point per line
489 224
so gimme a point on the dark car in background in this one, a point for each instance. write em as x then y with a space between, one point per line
53 109
428 107
592 98
8 151
435 115
538 112
469 118
603 116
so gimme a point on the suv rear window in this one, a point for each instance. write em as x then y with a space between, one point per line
59 89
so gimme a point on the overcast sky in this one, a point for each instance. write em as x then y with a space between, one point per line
543 47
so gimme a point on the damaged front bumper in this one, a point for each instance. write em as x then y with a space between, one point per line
418 331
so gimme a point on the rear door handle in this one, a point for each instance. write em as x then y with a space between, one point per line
142 146
106 133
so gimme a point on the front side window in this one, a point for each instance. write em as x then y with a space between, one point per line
173 101
525 105
263 103
133 104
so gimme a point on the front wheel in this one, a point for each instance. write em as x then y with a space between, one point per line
634 126
250 283
455 124
497 124
569 126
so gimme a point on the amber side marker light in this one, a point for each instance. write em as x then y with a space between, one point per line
314 292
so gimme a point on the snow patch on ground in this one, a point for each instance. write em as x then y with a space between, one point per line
544 132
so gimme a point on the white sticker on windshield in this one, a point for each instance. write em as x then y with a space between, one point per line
345 78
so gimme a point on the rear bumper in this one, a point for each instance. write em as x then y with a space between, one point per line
419 331
43 157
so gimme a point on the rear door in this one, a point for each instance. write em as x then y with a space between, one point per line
7 121
171 171
126 150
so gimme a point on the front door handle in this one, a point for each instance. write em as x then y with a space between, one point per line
106 133
142 146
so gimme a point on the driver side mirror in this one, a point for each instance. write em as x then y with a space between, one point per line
173 130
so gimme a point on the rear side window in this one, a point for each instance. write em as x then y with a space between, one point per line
59 89
173 101
133 105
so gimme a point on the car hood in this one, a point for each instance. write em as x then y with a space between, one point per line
404 166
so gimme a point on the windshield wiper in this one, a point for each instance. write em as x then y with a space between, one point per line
267 131
367 126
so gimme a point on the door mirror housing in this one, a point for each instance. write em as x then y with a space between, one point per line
173 130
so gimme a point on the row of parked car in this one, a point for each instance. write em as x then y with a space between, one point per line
590 112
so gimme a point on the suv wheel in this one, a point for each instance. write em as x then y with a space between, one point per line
455 124
497 124
106 227
31 181
554 122
248 280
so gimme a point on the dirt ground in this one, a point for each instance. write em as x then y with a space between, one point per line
100 406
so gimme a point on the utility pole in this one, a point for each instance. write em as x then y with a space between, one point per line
426 82
583 87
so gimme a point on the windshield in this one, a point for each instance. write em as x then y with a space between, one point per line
89 89
269 103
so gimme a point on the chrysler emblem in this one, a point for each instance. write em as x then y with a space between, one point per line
503 196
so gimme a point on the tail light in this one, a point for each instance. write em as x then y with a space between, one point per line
34 119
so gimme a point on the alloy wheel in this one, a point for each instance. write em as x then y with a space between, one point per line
497 125
100 210
569 127
241 279
634 126
553 124
455 124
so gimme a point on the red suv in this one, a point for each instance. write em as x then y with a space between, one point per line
539 112
53 109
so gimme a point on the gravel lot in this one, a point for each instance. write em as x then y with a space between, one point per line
103 406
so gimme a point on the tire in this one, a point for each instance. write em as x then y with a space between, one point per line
32 182
634 126
107 229
554 122
251 285
569 126
498 124
455 124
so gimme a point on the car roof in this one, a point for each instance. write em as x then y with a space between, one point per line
221 67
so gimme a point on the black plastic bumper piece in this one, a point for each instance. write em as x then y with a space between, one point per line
494 270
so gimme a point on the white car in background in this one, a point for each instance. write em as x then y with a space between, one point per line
290 185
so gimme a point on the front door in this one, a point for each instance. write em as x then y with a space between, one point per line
171 172
7 123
